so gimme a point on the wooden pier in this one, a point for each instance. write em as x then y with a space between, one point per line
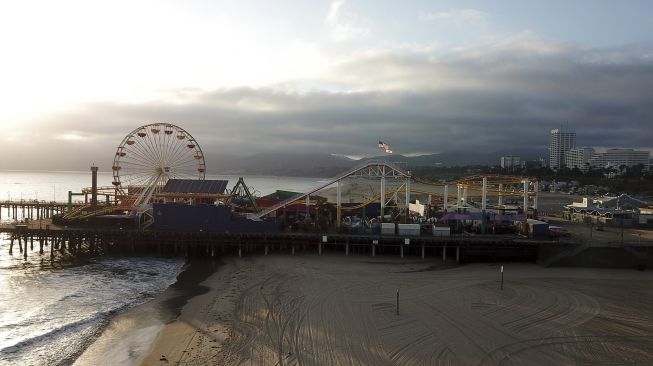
33 209
97 242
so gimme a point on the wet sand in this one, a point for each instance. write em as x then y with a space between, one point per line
337 310
129 335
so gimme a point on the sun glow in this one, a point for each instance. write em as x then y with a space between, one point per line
72 52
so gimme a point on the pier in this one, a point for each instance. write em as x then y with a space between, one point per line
97 242
33 209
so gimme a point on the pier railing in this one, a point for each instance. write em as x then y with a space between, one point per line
33 209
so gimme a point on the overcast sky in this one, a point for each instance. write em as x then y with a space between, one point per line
324 76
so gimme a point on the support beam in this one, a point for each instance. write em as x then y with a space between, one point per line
338 205
445 200
308 206
94 170
536 189
458 254
444 253
525 199
407 200
484 195
382 197
423 253
465 195
483 204
500 201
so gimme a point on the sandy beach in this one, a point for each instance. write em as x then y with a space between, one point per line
337 310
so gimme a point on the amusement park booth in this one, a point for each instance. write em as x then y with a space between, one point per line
200 205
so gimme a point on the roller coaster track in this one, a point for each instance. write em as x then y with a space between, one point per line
471 183
75 212
432 183
370 200
473 187
372 168
80 214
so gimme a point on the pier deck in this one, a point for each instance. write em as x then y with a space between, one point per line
34 209
91 241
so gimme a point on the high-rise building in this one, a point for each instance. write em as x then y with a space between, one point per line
510 162
561 142
579 158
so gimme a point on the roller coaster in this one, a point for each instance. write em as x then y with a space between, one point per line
401 183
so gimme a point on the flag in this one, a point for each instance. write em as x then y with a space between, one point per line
385 147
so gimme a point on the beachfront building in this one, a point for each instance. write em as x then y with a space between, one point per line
560 143
646 216
621 210
579 158
621 157
510 162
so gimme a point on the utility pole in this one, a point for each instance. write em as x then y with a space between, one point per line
397 301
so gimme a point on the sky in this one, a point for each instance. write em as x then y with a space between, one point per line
247 77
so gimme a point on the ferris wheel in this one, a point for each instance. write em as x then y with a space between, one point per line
152 154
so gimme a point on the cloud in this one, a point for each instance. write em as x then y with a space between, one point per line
344 26
504 95
455 15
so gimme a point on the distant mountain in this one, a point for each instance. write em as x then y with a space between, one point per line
461 158
327 165
282 163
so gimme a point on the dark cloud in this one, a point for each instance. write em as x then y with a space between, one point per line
485 99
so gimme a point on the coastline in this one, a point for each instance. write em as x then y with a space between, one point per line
205 322
129 335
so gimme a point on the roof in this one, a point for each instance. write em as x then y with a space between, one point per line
207 186
279 194
623 201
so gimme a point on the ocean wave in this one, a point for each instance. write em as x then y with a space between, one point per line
63 330
64 310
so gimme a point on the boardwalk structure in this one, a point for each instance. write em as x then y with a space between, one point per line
91 242
33 209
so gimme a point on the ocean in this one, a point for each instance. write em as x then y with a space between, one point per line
50 313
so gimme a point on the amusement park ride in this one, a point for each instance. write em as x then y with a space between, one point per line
144 161
151 155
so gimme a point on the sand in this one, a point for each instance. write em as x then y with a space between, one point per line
128 336
337 310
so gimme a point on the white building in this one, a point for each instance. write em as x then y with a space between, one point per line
561 142
579 158
510 162
621 157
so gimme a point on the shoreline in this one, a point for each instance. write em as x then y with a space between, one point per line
128 336
204 324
